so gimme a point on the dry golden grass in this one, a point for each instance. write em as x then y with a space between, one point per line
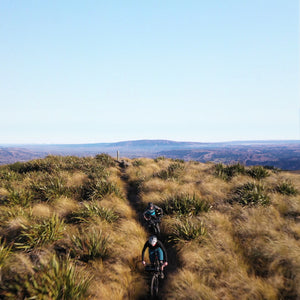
287 206
115 177
185 284
75 179
248 252
146 170
294 178
118 205
64 205
214 188
42 210
129 235
3 192
220 266
14 225
20 263
270 248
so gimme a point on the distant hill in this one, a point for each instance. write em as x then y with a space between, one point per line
285 156
281 154
13 154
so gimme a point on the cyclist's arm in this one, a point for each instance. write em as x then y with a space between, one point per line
164 250
145 214
159 209
144 249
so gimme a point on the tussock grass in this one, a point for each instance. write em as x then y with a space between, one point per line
138 163
16 196
42 210
258 172
228 172
220 265
5 251
185 204
214 188
75 179
59 279
38 235
174 171
145 170
286 188
250 194
91 245
47 187
63 206
4 193
37 200
97 189
91 211
158 185
118 206
270 250
287 206
187 230
188 285
105 160
66 207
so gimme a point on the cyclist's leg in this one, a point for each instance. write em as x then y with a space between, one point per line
160 256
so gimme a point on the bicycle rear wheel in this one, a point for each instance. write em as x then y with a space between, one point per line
154 285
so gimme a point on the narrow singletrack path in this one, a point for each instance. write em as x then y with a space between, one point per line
133 197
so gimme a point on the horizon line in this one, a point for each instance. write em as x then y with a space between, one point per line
140 140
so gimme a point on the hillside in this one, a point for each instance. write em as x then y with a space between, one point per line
279 154
10 155
286 156
71 228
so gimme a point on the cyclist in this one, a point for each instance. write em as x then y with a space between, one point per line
156 247
153 212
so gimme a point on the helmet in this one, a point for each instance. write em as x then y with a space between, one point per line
153 240
150 204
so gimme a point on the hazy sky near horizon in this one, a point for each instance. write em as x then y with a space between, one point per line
108 71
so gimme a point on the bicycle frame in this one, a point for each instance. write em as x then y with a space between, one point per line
155 271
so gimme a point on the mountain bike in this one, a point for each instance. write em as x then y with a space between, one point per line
155 271
153 224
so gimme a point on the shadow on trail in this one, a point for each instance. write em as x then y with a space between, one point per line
133 196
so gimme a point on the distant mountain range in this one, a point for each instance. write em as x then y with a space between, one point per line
280 154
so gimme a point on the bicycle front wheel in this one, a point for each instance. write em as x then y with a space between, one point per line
154 285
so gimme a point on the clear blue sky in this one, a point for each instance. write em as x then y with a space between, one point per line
106 71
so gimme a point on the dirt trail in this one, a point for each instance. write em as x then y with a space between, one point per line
136 203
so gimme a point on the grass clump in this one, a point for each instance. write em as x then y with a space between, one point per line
106 160
286 188
59 279
173 171
157 159
47 187
138 163
5 251
185 204
227 172
187 230
90 245
92 210
16 197
258 172
273 169
97 189
250 194
38 235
